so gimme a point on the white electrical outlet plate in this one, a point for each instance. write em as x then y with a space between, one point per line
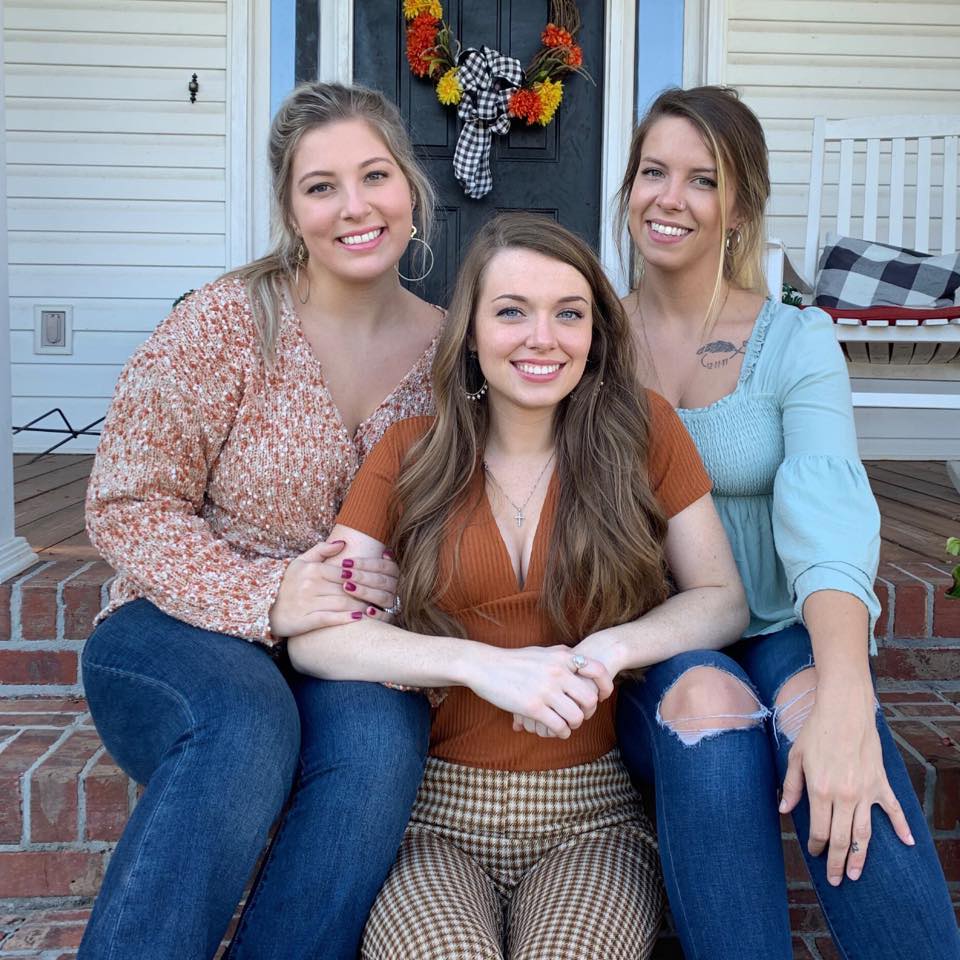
53 328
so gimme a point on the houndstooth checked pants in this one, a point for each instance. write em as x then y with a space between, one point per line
546 865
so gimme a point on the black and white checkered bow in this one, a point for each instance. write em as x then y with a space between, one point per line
488 79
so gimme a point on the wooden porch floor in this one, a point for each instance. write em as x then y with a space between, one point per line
919 506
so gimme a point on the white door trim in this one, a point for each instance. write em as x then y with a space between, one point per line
335 46
248 125
15 552
335 56
704 42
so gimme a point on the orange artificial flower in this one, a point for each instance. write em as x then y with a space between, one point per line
525 104
421 39
575 56
555 36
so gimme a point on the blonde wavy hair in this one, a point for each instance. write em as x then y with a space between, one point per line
606 564
309 106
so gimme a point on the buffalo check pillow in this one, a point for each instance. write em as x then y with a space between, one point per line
860 273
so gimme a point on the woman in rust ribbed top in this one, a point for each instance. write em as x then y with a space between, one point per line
534 520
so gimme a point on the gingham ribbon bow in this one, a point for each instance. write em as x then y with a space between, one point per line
488 79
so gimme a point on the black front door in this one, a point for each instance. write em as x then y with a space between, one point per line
554 170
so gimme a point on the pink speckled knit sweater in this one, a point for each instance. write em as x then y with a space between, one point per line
212 473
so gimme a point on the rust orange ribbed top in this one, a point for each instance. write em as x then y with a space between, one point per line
486 599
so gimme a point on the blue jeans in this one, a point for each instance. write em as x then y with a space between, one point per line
219 735
719 829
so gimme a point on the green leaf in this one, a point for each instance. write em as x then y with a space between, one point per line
954 591
953 546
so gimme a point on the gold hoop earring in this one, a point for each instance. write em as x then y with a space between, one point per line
476 394
733 240
429 250
302 258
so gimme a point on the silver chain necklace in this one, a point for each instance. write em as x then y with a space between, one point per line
518 516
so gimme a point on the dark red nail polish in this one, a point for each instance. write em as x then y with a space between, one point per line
371 611
350 587
346 574
346 563
356 615
389 555
342 543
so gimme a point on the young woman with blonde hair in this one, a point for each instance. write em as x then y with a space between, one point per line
534 519
763 389
232 439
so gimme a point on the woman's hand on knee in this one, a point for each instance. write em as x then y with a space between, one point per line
320 589
837 756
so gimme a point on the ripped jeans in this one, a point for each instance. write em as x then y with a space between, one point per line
719 829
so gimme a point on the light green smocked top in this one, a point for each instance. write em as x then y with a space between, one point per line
787 480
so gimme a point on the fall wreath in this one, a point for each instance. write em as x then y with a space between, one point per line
488 88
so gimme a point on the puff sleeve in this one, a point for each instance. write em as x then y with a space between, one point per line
826 522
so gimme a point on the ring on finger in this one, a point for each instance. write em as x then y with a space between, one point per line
578 661
395 609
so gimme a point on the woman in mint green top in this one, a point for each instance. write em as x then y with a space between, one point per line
787 480
763 390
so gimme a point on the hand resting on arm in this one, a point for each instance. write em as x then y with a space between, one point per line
538 683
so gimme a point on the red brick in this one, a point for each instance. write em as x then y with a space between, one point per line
946 797
796 865
53 794
932 744
827 950
108 805
14 760
38 612
43 705
4 611
948 850
44 935
910 608
925 662
807 917
946 610
38 666
929 709
882 627
910 696
81 603
800 951
51 873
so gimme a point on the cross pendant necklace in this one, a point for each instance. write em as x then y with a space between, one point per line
518 516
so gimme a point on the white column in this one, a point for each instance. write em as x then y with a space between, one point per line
15 552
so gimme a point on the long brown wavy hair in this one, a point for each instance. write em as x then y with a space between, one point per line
605 561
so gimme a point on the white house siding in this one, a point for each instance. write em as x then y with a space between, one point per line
795 59
115 183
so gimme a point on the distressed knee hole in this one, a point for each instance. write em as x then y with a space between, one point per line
794 703
705 702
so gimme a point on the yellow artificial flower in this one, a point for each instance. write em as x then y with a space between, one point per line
449 90
551 93
412 8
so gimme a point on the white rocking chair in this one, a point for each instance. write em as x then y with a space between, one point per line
906 373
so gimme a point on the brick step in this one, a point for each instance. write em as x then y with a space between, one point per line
35 931
47 612
66 802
